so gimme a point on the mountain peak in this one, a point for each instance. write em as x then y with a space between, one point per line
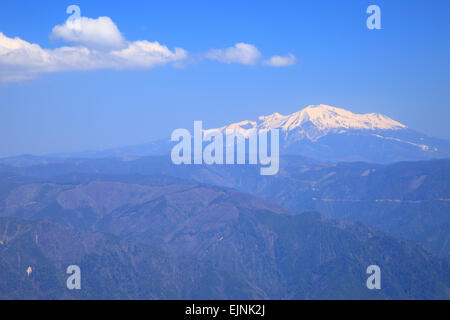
315 121
325 117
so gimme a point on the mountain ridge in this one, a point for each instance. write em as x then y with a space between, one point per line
319 132
209 243
324 118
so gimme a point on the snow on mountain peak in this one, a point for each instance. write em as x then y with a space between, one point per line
325 117
314 122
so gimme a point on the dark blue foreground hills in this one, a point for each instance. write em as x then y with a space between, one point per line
147 229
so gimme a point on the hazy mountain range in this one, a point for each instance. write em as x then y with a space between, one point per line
319 131
176 240
142 227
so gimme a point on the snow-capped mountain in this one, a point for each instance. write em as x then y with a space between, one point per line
314 122
329 133
318 131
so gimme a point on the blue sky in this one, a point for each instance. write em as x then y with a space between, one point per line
402 70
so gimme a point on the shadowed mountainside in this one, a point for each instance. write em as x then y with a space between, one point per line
406 199
212 243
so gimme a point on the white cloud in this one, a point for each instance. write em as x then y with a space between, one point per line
145 54
100 33
98 44
20 59
241 53
280 61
